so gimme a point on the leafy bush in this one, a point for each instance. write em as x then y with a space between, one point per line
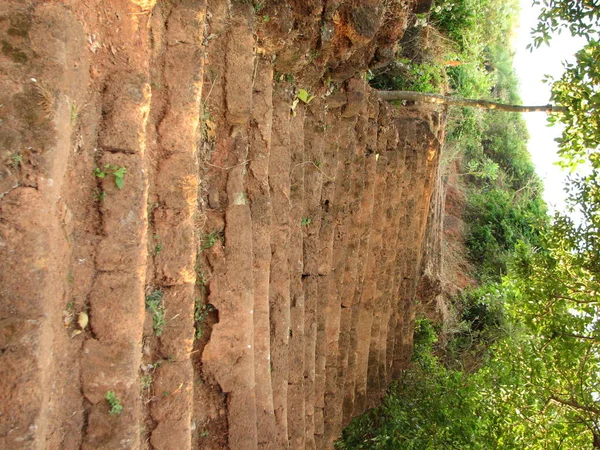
431 407
408 76
498 220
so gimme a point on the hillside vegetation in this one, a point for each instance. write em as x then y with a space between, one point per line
520 368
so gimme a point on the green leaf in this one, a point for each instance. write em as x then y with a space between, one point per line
119 174
305 96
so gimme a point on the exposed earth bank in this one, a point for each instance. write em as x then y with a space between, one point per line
194 253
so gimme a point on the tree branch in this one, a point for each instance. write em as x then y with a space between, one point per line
455 101
579 336
575 405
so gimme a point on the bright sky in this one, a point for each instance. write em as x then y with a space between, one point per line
531 68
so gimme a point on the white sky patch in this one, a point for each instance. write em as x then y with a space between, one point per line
531 68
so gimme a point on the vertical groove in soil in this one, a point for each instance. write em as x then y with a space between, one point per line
313 182
348 364
259 197
279 288
298 221
332 165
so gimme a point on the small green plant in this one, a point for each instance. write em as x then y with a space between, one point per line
99 195
109 169
279 77
304 96
266 18
158 247
210 239
200 314
203 433
16 160
146 381
201 279
306 221
258 6
155 305
114 403
485 169
317 163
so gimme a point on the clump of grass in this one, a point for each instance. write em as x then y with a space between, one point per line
258 6
201 279
146 381
158 247
17 160
155 305
99 195
210 239
201 312
47 99
114 403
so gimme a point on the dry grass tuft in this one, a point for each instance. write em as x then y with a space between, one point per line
47 100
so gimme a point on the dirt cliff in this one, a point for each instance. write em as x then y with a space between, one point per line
193 253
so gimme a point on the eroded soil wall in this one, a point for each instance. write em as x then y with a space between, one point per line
233 265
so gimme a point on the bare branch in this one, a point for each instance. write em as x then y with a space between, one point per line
455 101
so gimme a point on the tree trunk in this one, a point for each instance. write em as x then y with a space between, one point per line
455 101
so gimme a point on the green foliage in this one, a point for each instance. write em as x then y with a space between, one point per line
497 222
562 281
579 18
306 221
420 77
17 160
114 403
549 372
431 407
304 96
156 307
99 195
471 80
482 321
201 312
210 239
258 5
157 247
485 169
117 172
579 91
146 381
